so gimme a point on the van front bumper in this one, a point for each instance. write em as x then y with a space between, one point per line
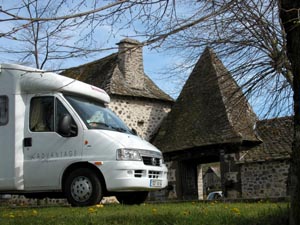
133 176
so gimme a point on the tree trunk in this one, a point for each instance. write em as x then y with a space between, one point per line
290 17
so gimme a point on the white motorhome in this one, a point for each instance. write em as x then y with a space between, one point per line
58 139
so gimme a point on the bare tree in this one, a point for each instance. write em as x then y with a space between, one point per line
248 35
38 35
41 41
41 23
47 32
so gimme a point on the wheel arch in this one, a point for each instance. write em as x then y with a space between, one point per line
86 165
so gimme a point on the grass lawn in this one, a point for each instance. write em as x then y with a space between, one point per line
213 213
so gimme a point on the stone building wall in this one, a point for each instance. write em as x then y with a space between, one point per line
143 115
264 180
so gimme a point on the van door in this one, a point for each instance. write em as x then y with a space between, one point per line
47 149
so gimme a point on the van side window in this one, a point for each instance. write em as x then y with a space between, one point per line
41 117
3 110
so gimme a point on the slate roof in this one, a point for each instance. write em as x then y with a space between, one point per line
277 136
104 73
210 110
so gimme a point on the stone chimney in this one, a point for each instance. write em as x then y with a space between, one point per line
131 62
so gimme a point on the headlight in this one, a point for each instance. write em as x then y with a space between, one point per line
128 154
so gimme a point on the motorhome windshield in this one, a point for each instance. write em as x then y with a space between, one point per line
95 115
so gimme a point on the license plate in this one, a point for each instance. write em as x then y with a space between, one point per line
155 183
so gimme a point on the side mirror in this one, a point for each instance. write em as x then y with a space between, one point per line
66 126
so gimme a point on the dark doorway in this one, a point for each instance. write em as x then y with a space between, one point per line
189 187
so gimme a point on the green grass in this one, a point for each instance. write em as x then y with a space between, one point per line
170 213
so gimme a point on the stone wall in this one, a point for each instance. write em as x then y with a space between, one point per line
20 200
230 175
264 180
143 115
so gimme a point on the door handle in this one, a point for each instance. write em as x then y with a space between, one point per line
28 142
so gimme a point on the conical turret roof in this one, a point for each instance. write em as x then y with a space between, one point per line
210 110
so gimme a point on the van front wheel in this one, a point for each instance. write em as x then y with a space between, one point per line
83 188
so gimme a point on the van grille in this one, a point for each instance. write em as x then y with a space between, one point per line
138 173
151 174
151 161
154 174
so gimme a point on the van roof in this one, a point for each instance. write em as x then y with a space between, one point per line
31 80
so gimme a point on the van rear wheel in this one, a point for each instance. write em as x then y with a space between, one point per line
83 188
132 198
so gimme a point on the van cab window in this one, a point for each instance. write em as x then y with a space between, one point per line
3 110
96 116
46 113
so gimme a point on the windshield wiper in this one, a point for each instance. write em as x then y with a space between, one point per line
120 129
97 124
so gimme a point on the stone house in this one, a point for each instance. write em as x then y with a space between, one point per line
134 96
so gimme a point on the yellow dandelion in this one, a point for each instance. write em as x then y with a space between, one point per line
91 210
99 206
11 215
34 212
154 210
236 211
186 213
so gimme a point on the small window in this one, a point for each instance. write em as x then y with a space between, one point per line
3 110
